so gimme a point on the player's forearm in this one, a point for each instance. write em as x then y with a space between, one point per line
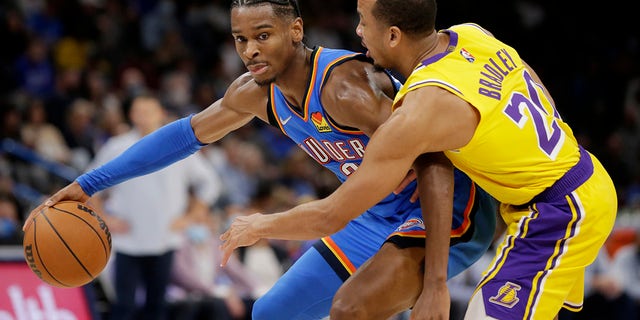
435 183
157 150
307 221
378 174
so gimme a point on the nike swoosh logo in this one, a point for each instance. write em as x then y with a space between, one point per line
285 120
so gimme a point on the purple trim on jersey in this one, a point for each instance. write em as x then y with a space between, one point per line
573 225
453 43
538 247
571 180
572 306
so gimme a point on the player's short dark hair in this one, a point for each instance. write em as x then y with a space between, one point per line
414 17
282 8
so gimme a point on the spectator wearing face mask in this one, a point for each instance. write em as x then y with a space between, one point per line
200 288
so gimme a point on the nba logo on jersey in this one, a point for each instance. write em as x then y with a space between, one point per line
467 55
507 295
320 123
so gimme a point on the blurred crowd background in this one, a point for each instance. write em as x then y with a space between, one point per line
69 70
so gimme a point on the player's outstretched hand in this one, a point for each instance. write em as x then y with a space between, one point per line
241 233
73 191
411 175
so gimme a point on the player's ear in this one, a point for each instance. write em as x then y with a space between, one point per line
394 36
297 30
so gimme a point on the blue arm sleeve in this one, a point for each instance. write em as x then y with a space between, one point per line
171 143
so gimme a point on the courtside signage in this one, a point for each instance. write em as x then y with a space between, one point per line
23 296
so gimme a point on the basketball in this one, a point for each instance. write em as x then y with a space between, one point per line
67 244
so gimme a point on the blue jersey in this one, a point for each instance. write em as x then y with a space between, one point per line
338 148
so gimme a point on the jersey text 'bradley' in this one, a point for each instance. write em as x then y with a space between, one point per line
494 72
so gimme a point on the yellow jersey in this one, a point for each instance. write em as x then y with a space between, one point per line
521 145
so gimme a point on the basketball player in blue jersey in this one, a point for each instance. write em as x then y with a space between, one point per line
472 97
328 101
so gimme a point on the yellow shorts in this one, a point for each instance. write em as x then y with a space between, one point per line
539 267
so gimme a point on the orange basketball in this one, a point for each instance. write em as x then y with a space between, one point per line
67 244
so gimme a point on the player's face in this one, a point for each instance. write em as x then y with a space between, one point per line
263 41
371 32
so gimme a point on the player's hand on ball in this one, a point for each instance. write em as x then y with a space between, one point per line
73 191
241 233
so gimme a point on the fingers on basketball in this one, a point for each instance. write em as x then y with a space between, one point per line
67 244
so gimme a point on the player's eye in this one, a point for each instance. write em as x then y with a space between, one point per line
263 36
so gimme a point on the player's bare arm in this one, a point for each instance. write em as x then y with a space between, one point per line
243 101
365 104
445 121
436 187
358 96
421 118
442 120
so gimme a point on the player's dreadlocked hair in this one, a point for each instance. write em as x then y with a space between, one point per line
282 8
415 17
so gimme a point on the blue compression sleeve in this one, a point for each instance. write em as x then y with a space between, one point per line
171 143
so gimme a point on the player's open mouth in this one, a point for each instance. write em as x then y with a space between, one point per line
257 68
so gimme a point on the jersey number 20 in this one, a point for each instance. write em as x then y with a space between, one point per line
549 134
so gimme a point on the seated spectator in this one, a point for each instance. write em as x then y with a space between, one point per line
10 221
626 269
10 122
80 131
34 70
605 295
200 288
46 142
43 137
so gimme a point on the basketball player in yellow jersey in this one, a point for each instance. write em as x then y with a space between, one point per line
474 98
